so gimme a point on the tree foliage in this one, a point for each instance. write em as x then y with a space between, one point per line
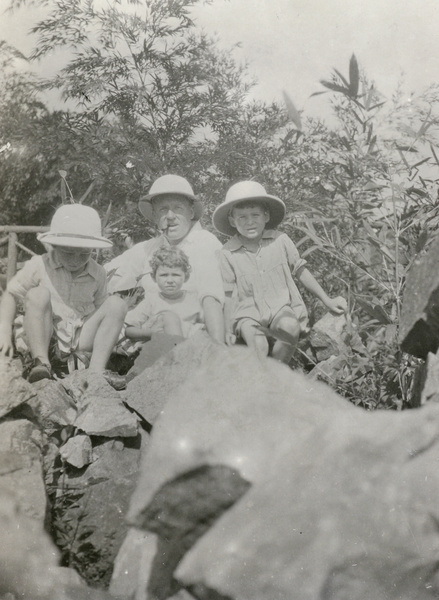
148 93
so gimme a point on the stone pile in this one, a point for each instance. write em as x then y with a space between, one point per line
58 439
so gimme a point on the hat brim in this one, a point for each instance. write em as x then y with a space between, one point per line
220 217
74 241
145 205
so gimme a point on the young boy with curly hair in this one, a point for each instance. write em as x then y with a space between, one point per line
170 309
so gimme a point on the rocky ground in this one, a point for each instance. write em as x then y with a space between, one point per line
214 475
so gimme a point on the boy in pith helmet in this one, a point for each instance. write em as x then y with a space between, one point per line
64 294
258 264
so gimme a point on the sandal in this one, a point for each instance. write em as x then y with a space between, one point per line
39 370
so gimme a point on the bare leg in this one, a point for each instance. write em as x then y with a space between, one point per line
101 330
254 338
285 322
38 324
172 323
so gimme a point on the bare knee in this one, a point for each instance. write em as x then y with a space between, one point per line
37 298
288 325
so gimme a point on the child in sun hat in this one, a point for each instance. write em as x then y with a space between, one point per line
258 264
64 294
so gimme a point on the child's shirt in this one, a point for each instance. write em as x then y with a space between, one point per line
262 281
73 297
187 307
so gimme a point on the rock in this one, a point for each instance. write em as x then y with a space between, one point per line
26 552
29 561
14 390
341 503
52 408
102 412
237 406
21 466
428 380
159 345
77 451
326 336
102 490
132 567
419 324
149 391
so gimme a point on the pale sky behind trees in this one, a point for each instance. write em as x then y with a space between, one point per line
292 44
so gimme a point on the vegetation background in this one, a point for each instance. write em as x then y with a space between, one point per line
148 92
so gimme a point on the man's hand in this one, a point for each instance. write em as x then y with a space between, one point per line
337 305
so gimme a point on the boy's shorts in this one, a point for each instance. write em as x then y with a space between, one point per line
266 319
62 346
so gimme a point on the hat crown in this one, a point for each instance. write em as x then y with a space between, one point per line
245 190
171 184
76 219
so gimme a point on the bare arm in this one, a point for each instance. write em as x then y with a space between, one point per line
214 318
8 309
228 310
336 305
139 334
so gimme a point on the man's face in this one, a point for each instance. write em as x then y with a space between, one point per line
173 216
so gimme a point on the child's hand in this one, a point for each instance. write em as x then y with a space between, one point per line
337 305
6 346
230 338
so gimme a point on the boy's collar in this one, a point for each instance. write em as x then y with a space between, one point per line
57 265
236 242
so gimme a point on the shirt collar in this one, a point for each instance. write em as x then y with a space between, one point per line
89 268
235 243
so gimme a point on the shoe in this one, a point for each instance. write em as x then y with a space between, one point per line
118 382
39 371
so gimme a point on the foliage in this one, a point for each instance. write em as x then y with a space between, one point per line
381 209
153 95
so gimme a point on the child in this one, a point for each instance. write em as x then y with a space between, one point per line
170 309
257 265
64 293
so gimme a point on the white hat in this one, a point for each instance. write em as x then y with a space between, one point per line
170 184
76 226
247 191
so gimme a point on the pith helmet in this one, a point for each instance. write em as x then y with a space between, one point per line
244 191
170 185
76 226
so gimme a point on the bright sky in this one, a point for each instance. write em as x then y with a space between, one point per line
292 44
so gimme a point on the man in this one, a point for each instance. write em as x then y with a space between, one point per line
173 207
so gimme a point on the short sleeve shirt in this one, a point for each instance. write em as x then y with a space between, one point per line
262 281
187 307
132 268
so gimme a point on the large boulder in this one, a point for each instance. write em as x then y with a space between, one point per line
262 483
21 466
419 325
14 390
149 392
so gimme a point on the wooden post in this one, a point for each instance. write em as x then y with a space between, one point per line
12 256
